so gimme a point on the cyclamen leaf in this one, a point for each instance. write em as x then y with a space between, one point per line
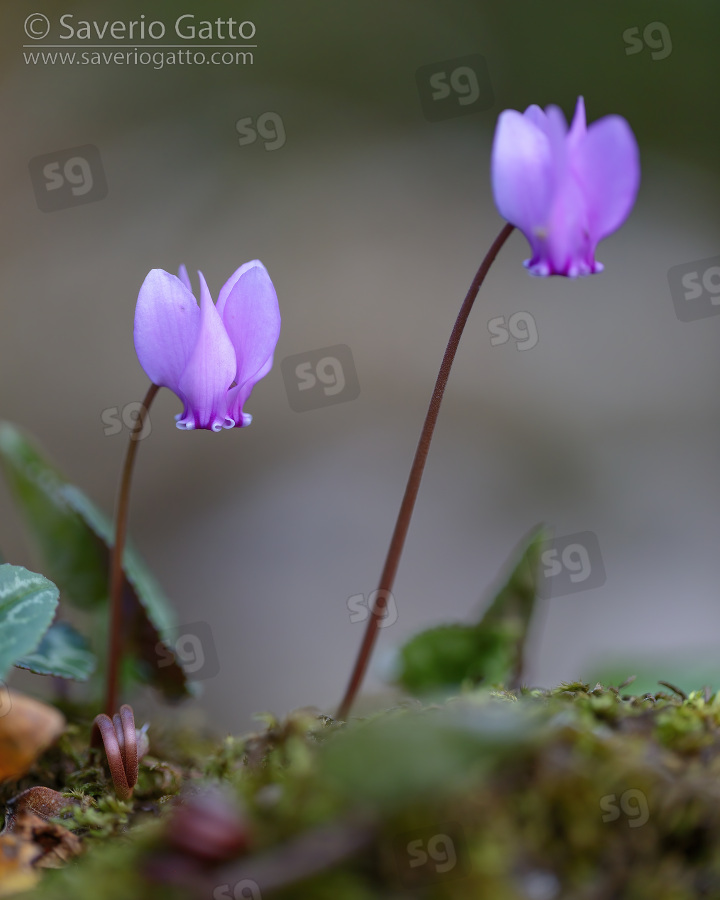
442 658
74 538
514 603
70 555
147 614
62 652
27 606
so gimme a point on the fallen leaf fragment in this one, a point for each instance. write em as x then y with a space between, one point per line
26 730
55 844
16 858
39 801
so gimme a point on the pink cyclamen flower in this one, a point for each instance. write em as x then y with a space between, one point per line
564 189
210 356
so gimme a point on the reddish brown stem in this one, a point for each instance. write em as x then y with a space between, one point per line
116 568
397 542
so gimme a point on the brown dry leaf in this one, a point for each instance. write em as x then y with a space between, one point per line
41 801
56 845
16 859
26 730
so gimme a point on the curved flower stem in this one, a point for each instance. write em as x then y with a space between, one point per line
116 569
119 738
413 485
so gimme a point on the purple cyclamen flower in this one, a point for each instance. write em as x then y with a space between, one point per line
564 189
210 356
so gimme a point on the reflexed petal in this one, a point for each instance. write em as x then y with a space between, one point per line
556 122
232 280
522 172
536 115
567 211
252 318
184 277
607 166
561 247
237 396
567 232
578 128
556 130
209 371
167 323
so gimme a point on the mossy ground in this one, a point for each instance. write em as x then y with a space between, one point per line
579 792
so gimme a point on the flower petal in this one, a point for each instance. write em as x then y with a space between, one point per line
578 129
184 277
231 282
565 189
567 243
607 166
536 115
209 371
252 318
566 231
238 396
167 322
522 172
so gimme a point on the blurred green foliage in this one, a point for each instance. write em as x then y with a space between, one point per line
580 790
492 650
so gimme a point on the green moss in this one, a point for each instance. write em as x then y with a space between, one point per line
575 792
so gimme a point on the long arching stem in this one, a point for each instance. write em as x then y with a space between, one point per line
116 568
397 542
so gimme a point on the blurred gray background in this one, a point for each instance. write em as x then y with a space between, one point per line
372 220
